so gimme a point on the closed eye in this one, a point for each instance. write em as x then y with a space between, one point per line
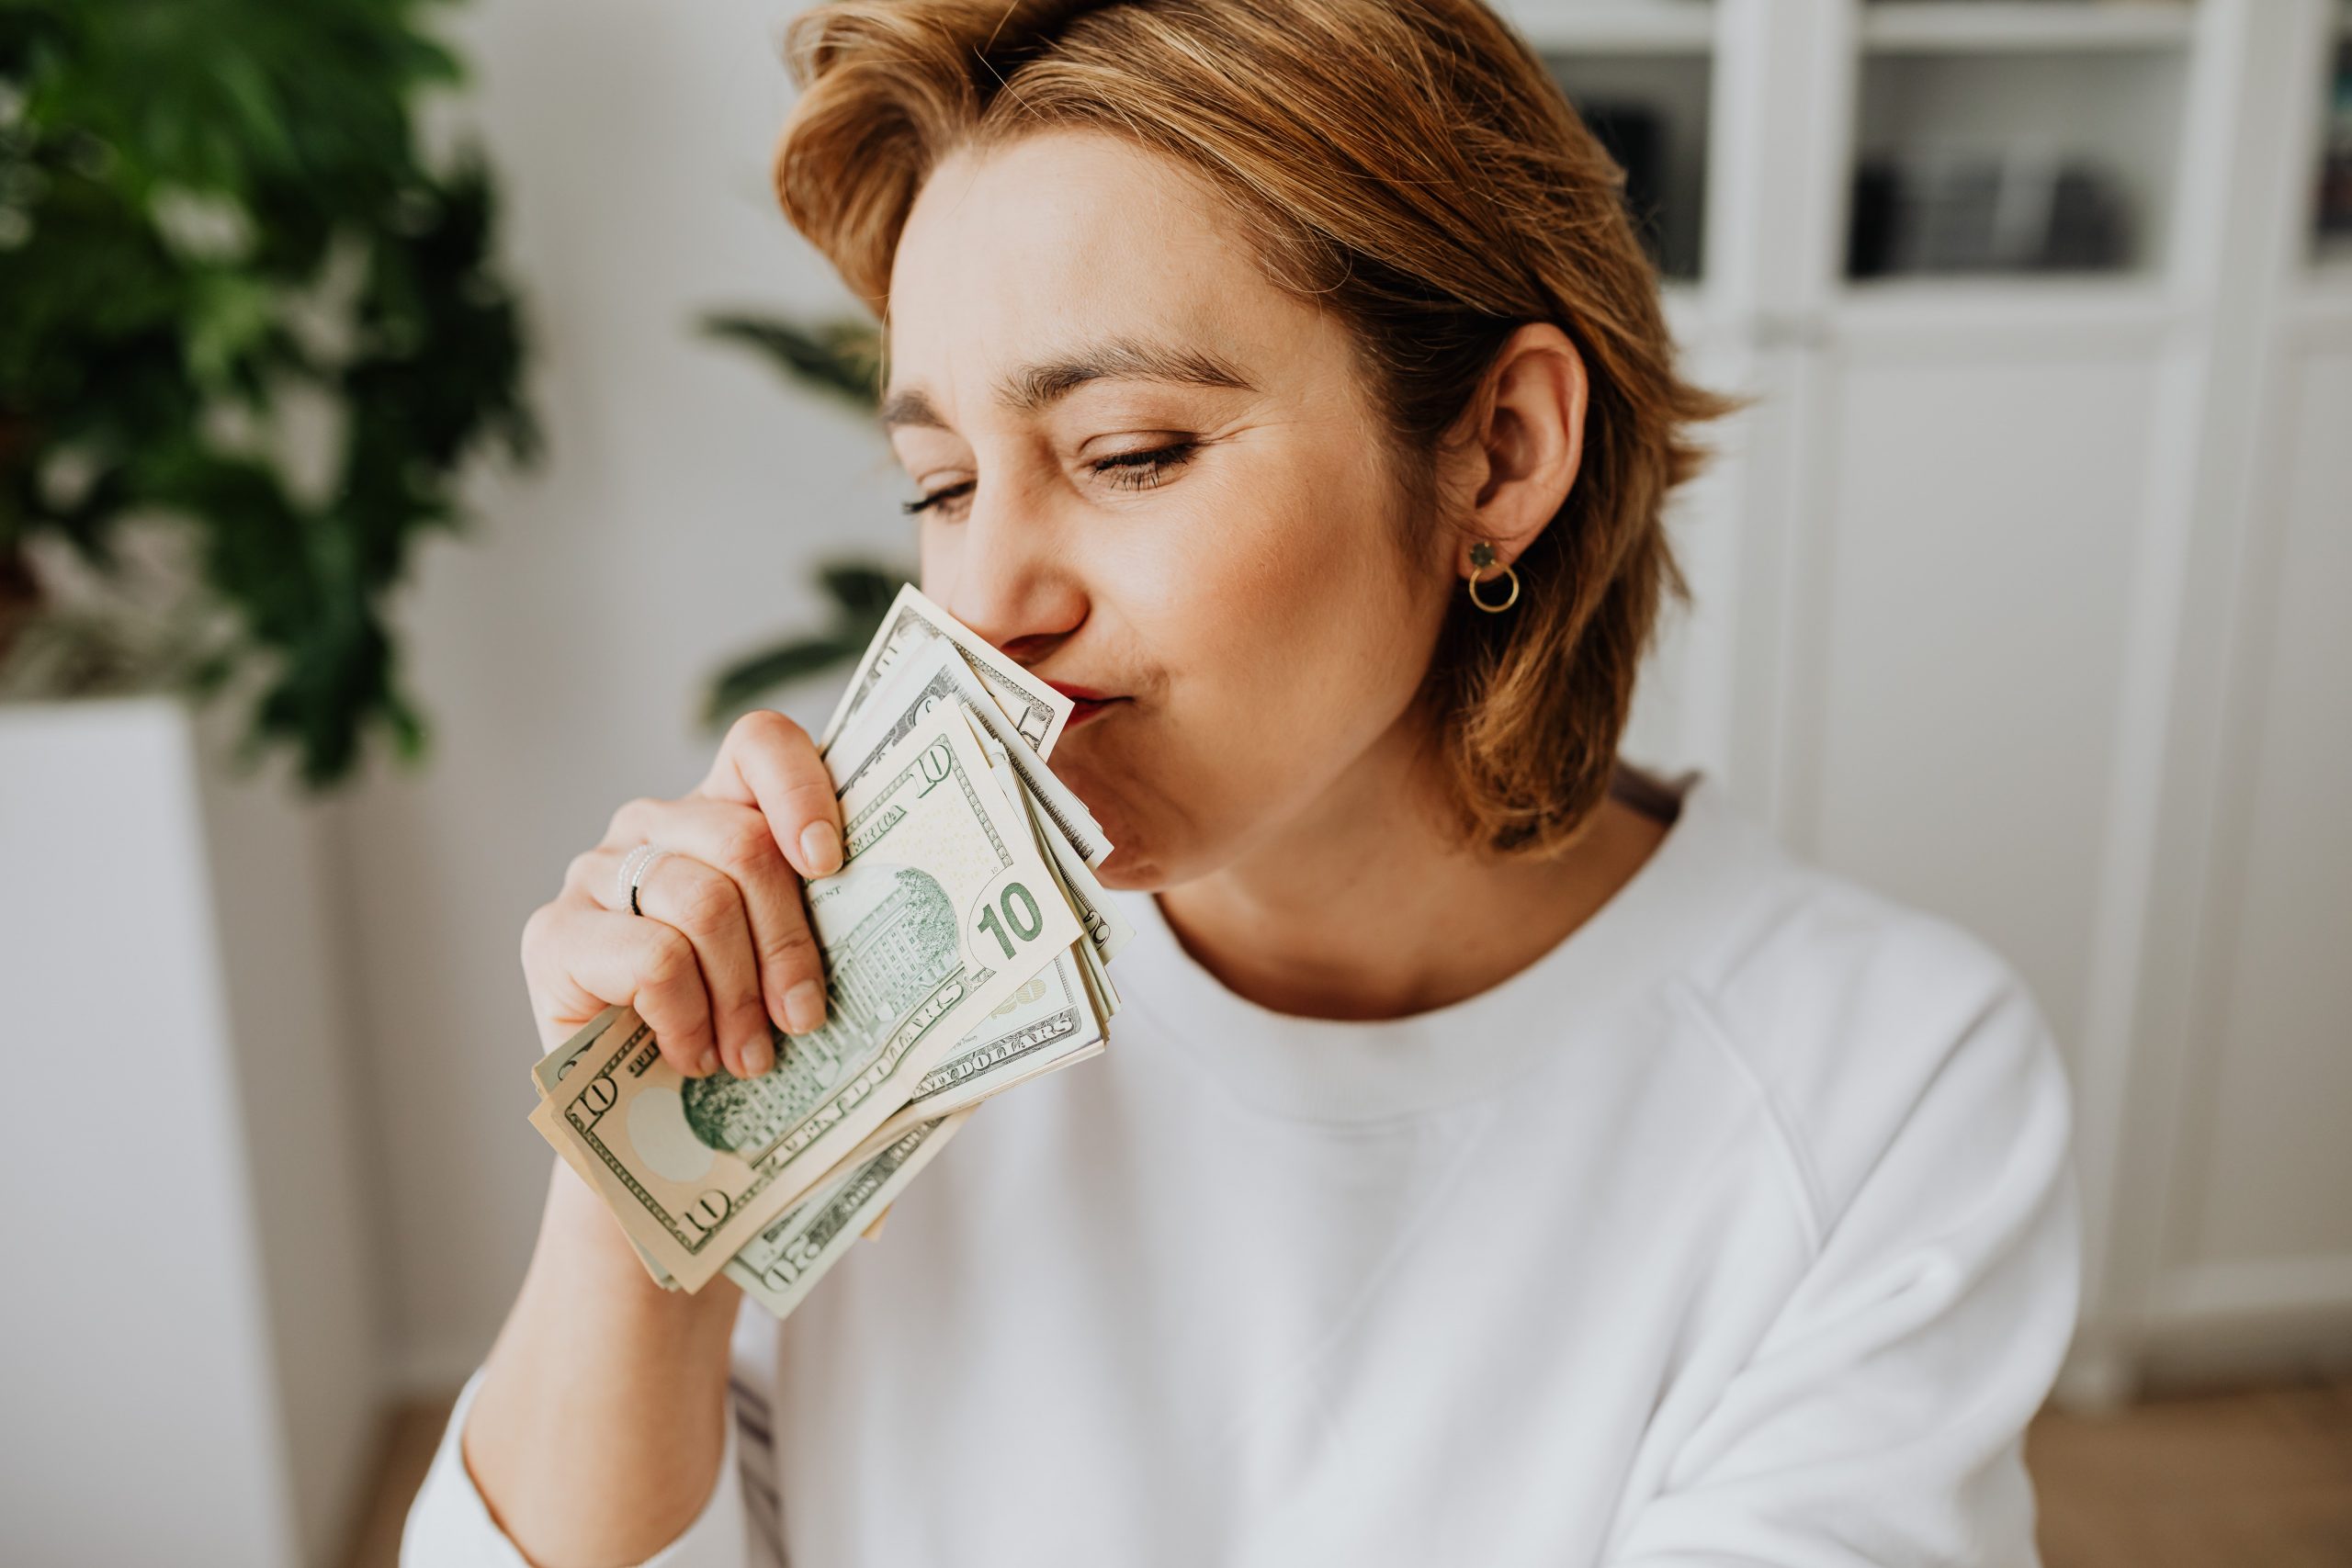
1144 471
934 498
1126 471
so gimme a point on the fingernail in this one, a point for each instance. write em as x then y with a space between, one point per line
821 848
708 1064
805 1006
758 1056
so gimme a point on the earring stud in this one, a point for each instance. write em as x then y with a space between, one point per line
1482 556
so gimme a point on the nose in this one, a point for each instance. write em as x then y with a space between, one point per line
1002 572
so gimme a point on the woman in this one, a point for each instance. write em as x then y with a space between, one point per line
1503 1156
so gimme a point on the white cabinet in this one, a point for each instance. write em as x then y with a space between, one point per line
2021 591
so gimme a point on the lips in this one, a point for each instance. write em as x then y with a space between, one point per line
1086 703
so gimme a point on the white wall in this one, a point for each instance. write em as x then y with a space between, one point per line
559 649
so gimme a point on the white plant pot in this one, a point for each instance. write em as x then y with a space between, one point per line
188 1348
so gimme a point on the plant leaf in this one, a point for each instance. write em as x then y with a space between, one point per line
840 359
740 685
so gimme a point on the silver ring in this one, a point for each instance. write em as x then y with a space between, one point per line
633 868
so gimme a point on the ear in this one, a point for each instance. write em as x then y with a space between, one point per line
1520 447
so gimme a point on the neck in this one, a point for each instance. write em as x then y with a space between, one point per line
1367 906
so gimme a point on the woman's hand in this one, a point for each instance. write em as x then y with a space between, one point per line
723 946
597 1431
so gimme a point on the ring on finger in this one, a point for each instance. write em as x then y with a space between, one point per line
631 874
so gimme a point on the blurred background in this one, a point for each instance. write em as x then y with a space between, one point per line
418 429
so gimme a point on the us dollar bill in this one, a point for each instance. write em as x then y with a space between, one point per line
1106 930
940 678
943 909
782 1261
1052 1022
547 1072
787 1257
1037 712
1056 1019
802 1243
544 1118
940 674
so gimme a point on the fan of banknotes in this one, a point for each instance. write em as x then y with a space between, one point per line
965 941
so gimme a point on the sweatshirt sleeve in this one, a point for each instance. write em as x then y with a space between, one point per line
449 1525
1879 1421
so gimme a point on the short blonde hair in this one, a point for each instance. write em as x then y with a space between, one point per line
1407 164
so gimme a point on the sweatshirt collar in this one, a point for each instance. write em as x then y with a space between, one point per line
1566 1000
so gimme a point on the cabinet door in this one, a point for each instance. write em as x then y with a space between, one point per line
1976 511
2262 1218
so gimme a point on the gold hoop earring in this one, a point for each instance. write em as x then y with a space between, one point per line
1482 556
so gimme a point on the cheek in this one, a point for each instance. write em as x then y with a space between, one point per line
1204 605
935 556
1310 626
1288 639
1278 579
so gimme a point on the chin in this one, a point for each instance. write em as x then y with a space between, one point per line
1127 869
1154 846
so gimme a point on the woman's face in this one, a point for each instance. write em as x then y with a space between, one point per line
1154 479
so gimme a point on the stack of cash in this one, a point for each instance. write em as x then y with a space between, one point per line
965 941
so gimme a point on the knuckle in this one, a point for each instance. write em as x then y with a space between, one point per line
542 927
669 963
763 730
581 867
536 933
748 847
681 1031
706 903
793 949
812 800
630 817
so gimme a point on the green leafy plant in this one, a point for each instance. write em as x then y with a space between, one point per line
215 217
842 361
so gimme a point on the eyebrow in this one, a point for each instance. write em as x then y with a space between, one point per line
1034 387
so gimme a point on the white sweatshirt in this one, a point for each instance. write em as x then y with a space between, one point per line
1738 1230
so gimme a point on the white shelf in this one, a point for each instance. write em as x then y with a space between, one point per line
1615 26
2118 112
1677 89
2026 26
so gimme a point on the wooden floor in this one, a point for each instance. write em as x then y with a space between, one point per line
2256 1480
2253 1480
